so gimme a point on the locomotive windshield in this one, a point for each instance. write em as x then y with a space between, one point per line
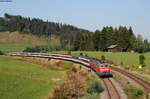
104 66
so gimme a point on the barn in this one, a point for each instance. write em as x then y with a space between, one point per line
114 48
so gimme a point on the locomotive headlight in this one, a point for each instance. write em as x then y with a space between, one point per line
106 69
102 69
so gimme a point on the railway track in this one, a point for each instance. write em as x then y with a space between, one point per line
111 89
140 81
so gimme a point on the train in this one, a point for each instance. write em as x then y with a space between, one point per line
101 68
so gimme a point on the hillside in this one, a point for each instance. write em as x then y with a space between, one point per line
18 38
15 41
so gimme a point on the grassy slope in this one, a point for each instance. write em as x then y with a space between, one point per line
22 80
126 58
14 41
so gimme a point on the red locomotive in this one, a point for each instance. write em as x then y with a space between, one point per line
101 68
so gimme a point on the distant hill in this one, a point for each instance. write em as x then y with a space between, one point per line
35 26
67 33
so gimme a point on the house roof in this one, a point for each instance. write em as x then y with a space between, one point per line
113 46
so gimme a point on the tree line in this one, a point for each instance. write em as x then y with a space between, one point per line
73 38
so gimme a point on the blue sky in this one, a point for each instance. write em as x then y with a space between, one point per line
87 14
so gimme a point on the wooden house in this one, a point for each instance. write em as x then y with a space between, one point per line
114 48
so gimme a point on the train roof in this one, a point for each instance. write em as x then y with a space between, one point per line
94 59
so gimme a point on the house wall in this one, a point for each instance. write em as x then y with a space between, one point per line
117 49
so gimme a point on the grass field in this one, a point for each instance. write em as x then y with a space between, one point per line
125 57
14 47
23 80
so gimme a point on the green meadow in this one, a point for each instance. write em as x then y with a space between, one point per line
23 80
14 47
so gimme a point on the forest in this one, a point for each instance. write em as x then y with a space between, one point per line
74 38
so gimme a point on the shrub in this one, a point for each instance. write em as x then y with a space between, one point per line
127 67
139 93
37 49
130 67
1 53
103 58
86 55
80 67
89 70
81 54
141 60
95 87
49 59
74 69
72 88
134 93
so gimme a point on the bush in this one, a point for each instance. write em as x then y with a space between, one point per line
49 59
130 67
1 53
134 93
81 54
37 49
141 60
86 55
95 87
127 67
103 58
80 67
139 93
72 88
74 69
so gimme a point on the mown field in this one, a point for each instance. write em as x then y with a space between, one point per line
24 80
13 47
